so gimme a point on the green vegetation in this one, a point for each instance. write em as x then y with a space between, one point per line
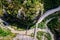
29 16
29 9
54 25
6 34
42 25
40 35
50 4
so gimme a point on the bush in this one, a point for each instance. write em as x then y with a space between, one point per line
47 36
42 25
28 16
5 32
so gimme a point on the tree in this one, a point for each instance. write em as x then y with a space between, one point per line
25 11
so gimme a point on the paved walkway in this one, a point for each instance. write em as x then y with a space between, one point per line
22 37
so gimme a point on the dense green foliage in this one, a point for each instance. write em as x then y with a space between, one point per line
54 26
29 8
28 15
50 4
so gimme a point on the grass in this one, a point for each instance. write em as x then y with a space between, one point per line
6 34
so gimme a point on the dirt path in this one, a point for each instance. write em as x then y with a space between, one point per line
24 32
21 33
